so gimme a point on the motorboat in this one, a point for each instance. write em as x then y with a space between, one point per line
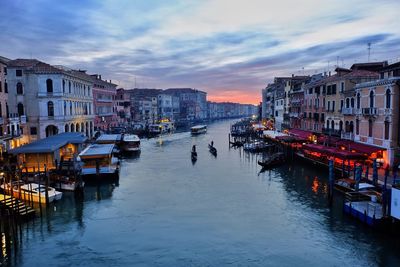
99 159
31 192
198 129
130 143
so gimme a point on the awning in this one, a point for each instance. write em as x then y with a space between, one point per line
359 147
300 134
335 152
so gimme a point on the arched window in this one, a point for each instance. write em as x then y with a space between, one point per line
388 98
371 99
347 102
333 124
69 87
20 90
49 85
65 108
341 126
70 108
351 126
72 127
50 109
66 128
63 86
370 125
352 102
20 108
358 100
77 127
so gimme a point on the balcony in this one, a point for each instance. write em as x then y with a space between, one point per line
331 132
347 111
387 112
104 100
347 136
370 111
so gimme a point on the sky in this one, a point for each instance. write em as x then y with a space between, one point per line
229 48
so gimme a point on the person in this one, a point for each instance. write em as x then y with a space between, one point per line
194 148
212 143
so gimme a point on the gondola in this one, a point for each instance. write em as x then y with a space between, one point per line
274 161
194 155
236 143
212 150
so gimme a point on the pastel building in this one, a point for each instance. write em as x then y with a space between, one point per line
105 105
48 100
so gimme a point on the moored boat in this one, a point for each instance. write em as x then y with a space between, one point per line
31 192
130 143
99 159
273 161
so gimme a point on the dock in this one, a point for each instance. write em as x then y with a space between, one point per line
16 206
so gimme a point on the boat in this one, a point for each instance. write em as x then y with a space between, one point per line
109 139
161 128
256 146
194 155
198 129
130 143
99 159
345 185
31 192
212 149
66 183
236 143
273 161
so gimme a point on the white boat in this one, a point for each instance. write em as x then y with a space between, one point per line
66 183
161 128
99 159
198 129
130 143
32 192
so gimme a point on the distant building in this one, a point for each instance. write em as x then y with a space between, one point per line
144 104
193 103
48 100
105 107
7 130
123 105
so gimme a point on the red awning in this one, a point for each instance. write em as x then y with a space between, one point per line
335 152
300 134
359 147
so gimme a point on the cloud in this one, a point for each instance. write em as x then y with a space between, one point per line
220 46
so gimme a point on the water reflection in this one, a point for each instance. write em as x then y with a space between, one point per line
167 211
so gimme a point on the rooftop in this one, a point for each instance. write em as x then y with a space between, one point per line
50 144
97 150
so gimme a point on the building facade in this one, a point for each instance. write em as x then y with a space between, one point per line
104 100
48 100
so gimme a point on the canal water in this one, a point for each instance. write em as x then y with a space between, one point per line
220 211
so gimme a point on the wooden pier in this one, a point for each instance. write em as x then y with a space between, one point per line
16 206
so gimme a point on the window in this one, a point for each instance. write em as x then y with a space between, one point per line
1 111
1 87
332 124
357 126
341 104
387 127
20 90
352 102
7 111
333 106
347 102
358 100
342 87
18 73
63 85
5 87
49 85
333 89
20 108
329 105
33 131
388 98
66 128
69 87
370 128
50 109
371 99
